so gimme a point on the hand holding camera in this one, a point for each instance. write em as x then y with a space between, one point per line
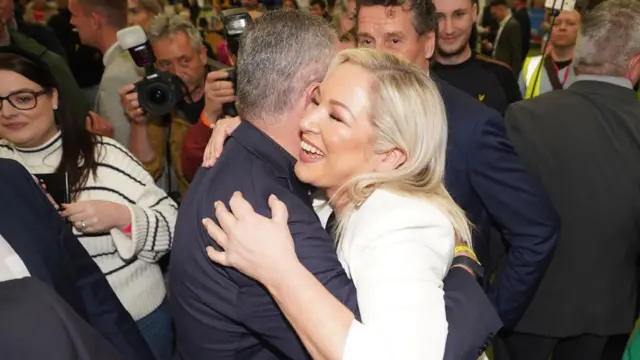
131 105
218 92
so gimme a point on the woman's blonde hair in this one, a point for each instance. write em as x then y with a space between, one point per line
407 113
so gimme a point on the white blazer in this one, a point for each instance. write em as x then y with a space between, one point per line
397 250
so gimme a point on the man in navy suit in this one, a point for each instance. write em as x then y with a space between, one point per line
219 313
483 174
46 249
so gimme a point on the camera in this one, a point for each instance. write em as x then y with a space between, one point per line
159 91
234 22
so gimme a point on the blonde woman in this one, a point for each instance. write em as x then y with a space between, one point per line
381 162
142 12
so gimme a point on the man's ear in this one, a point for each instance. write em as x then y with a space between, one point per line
633 72
97 20
390 160
203 54
429 44
474 13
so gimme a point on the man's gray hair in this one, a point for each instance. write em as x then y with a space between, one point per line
280 56
165 26
609 38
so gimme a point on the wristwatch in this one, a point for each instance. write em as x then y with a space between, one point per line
471 264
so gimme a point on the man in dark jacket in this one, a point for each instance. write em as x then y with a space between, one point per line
35 241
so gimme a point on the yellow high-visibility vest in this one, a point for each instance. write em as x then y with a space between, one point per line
530 68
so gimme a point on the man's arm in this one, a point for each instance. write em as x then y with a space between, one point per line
517 202
104 311
316 252
109 105
472 319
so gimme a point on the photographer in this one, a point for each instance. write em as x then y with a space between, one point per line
179 49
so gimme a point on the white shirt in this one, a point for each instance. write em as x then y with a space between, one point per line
11 266
397 250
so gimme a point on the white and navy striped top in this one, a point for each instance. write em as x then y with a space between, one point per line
128 262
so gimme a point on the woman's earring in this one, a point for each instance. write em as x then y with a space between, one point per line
55 107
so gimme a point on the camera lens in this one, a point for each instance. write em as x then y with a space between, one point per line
157 96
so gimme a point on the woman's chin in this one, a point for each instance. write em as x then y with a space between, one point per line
308 173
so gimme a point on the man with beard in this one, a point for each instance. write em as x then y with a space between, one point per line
179 49
487 80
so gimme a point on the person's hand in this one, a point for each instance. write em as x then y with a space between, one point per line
46 193
131 106
95 216
217 92
487 45
221 132
259 247
98 125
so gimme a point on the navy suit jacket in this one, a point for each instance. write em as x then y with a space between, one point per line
221 314
53 255
489 182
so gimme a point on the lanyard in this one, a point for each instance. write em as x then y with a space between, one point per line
566 73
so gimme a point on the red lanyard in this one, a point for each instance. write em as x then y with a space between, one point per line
566 73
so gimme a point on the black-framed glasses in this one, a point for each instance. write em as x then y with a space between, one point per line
23 100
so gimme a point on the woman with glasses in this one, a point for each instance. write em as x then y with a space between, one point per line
120 216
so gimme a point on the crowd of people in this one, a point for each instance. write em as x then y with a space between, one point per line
386 191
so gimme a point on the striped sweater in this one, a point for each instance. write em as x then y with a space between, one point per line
129 262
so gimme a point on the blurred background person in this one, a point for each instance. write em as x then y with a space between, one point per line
507 46
290 4
141 12
521 13
85 61
319 8
484 78
555 72
39 11
97 23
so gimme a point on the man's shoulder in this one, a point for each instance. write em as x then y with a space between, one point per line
462 109
9 168
122 66
497 67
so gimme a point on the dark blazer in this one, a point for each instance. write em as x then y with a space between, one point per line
219 313
508 47
584 144
53 255
487 180
524 20
28 307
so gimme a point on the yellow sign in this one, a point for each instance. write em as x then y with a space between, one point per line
481 97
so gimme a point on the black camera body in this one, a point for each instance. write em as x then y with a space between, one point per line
159 91
234 22
229 109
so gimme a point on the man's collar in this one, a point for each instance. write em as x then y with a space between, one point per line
276 157
614 80
111 53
